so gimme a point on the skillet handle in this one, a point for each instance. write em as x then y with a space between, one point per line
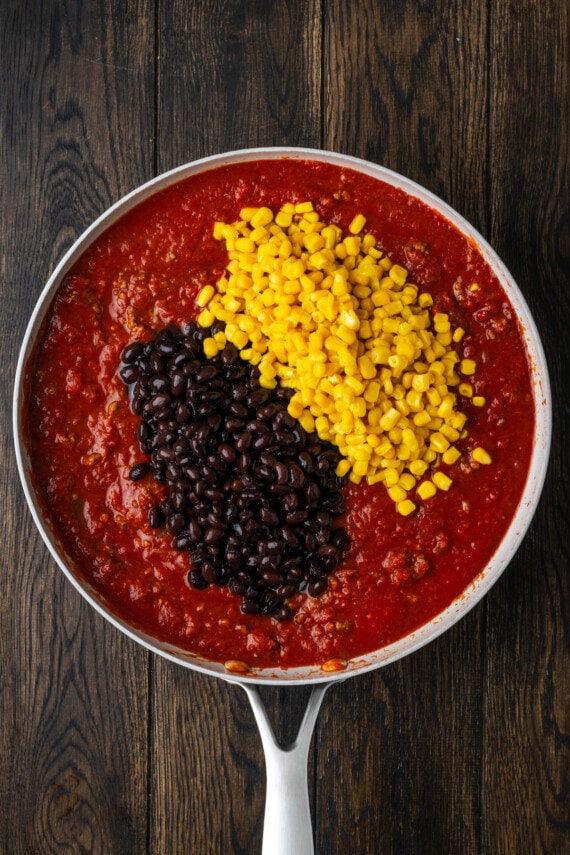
287 828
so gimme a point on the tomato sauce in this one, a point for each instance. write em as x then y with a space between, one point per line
144 272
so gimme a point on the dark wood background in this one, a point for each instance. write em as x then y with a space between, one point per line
462 747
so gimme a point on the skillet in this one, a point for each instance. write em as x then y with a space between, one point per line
287 829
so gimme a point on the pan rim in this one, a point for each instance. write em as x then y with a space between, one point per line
524 513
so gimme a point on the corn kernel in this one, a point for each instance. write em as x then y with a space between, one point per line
439 442
451 456
481 456
210 347
206 318
397 493
467 366
398 274
441 480
357 224
205 295
465 389
406 507
343 467
261 217
418 468
426 490
407 481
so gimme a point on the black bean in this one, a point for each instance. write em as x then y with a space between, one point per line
233 425
156 362
239 392
182 542
182 358
179 500
289 536
236 408
194 531
159 383
312 493
262 441
267 531
250 608
209 573
284 437
271 606
129 373
177 383
227 452
258 398
291 501
164 453
144 365
269 516
295 517
175 523
173 472
316 588
215 462
209 474
213 534
272 578
243 462
213 494
206 373
132 351
197 580
340 538
155 517
243 441
229 354
282 473
138 471
157 402
285 591
296 476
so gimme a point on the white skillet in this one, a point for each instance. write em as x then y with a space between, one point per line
287 829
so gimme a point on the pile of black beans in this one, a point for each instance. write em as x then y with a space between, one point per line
253 497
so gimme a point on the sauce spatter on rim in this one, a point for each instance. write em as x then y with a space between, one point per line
427 490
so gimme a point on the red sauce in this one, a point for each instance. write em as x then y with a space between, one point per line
144 272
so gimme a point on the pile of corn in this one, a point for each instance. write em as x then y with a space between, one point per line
331 317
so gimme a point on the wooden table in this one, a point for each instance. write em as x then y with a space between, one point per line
460 748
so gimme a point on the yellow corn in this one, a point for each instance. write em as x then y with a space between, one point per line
451 456
426 490
211 348
331 317
481 456
357 224
406 507
467 366
441 480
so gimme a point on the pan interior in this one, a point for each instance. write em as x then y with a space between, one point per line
480 585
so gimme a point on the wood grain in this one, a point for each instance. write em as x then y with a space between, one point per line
241 74
74 719
461 748
528 718
406 86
